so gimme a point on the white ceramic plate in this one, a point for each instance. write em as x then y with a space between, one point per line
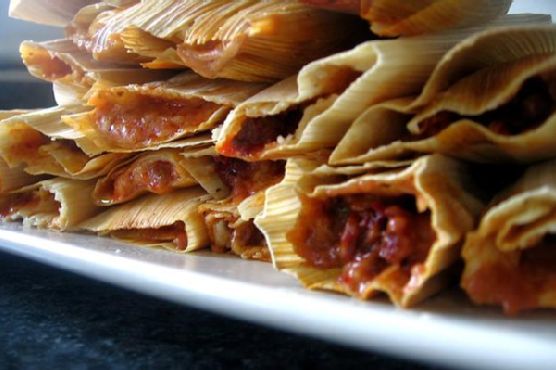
446 331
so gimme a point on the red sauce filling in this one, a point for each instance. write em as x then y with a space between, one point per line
532 106
363 235
135 121
141 177
258 132
174 233
247 178
516 280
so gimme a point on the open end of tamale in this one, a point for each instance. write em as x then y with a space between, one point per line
363 235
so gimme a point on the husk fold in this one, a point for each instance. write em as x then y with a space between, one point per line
478 76
438 186
498 269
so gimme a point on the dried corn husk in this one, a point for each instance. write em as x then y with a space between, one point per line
438 186
58 204
50 12
157 172
12 178
243 40
230 227
500 263
40 144
205 103
407 18
410 18
74 72
330 93
139 220
480 75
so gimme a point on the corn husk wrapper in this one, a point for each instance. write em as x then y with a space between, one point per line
496 253
58 204
243 40
40 144
74 72
153 212
217 96
410 18
12 178
403 18
495 65
49 12
438 186
230 227
331 93
139 172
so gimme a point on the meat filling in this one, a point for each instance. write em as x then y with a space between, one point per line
362 235
532 106
174 234
257 133
156 177
518 279
247 178
135 121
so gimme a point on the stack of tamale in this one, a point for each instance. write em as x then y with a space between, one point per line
364 146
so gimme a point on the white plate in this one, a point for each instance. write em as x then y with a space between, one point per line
447 331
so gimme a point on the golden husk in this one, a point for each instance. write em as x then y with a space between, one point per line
517 222
60 204
409 18
156 211
334 91
225 93
50 12
437 183
471 81
103 194
39 143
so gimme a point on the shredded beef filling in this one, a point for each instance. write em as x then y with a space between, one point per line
533 105
363 235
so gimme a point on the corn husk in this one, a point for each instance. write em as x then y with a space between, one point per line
409 18
438 186
331 93
74 72
38 143
497 252
216 97
469 82
243 40
153 212
140 174
58 204
50 12
230 227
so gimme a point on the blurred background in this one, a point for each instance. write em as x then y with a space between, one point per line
19 90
